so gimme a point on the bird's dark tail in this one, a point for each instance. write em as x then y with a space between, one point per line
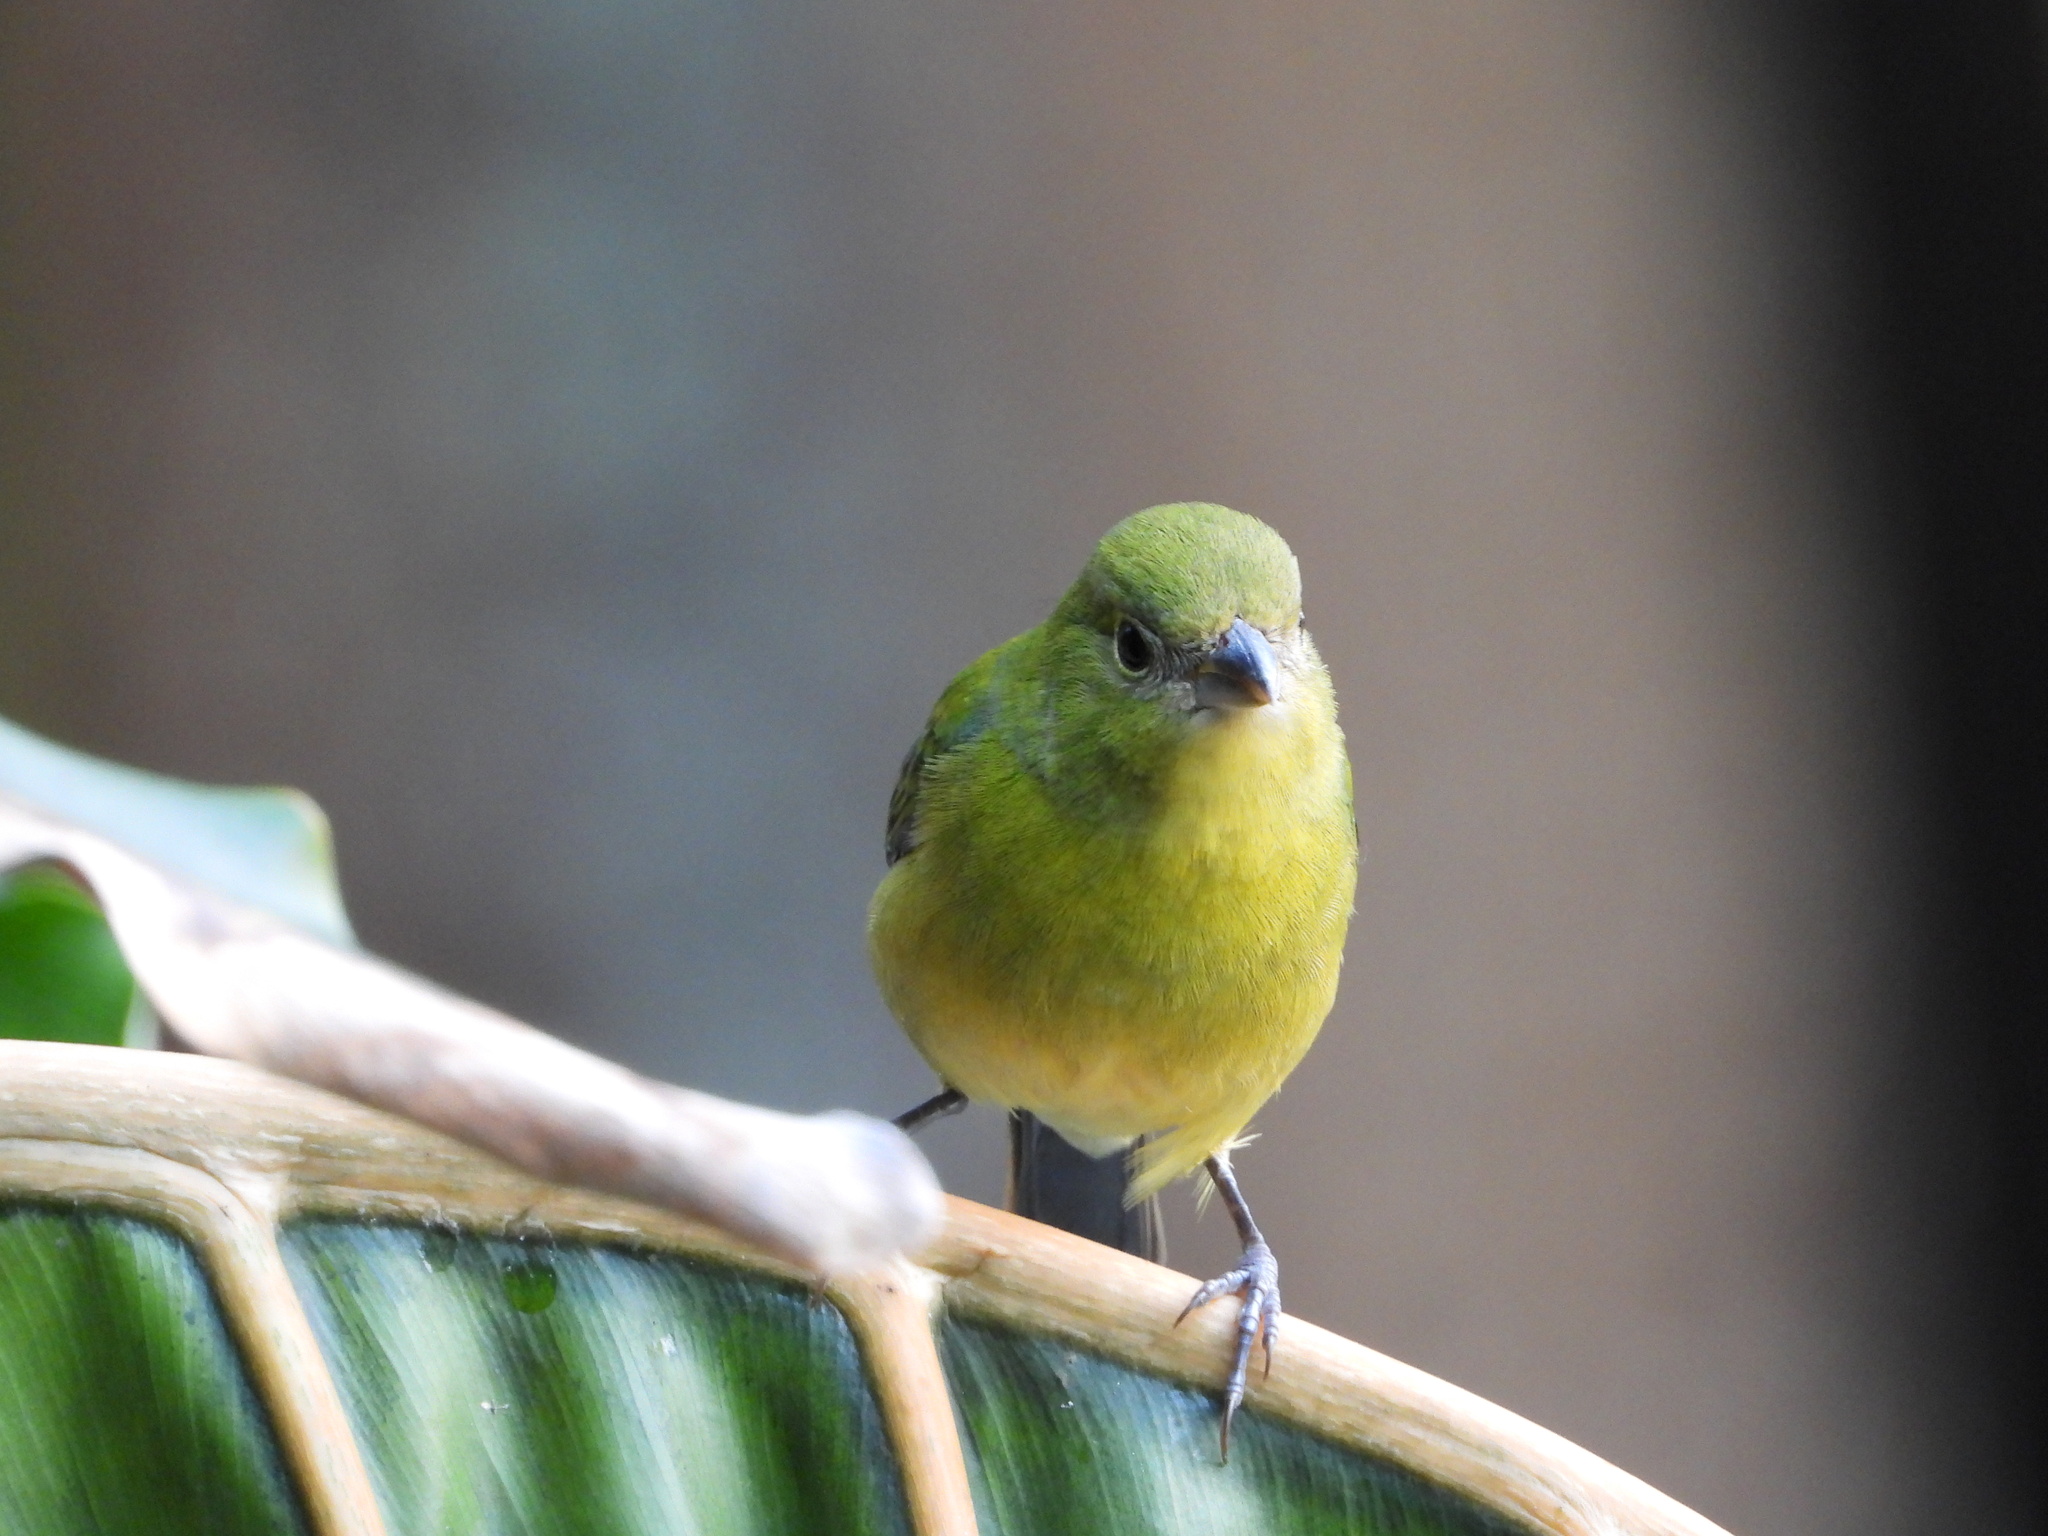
1054 1182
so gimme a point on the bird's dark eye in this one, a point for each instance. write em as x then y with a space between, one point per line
1134 650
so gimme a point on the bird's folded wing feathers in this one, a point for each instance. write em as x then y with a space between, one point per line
964 711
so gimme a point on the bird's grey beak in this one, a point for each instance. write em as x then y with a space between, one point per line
1240 673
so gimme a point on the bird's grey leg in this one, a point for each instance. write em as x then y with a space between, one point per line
1256 1279
948 1102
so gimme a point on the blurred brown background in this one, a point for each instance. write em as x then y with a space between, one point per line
577 441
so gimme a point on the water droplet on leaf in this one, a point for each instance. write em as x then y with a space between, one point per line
530 1285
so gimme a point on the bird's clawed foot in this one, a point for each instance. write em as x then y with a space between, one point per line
1257 1280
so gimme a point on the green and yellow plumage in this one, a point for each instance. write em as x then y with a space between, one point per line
1109 903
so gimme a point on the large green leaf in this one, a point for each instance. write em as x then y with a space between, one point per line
468 1350
500 1388
268 848
124 1410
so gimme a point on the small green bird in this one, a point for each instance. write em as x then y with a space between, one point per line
1122 858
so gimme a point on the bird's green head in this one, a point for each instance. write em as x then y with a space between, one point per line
1186 571
1186 618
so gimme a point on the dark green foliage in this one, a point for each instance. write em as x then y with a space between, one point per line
61 974
123 1404
1065 1443
499 1387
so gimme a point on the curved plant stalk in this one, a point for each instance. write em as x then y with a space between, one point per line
835 1193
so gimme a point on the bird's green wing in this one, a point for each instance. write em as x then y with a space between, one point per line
964 711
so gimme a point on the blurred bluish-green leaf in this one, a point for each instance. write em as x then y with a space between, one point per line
61 974
268 848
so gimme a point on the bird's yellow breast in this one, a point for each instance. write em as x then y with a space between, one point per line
1122 976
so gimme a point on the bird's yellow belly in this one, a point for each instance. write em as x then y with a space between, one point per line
1123 982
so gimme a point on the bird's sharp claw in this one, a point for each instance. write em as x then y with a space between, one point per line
1257 1281
1223 1286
